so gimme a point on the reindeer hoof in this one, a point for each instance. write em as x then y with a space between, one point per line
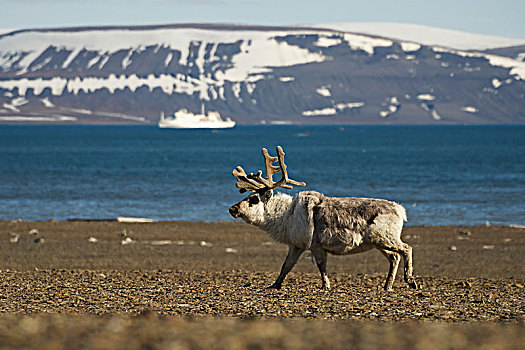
274 286
412 283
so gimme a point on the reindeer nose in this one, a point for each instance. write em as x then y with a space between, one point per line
234 211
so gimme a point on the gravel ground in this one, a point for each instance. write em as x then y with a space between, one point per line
202 285
243 295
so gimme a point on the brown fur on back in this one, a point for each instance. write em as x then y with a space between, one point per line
348 219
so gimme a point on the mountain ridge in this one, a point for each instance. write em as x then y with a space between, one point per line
255 74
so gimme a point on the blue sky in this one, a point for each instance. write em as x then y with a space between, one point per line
502 18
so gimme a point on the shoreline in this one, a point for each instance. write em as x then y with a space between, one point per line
451 251
201 285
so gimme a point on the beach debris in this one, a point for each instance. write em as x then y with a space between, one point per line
488 246
518 226
132 220
123 233
452 248
159 242
465 233
14 237
92 240
518 285
487 223
507 240
33 232
39 240
205 244
231 250
127 241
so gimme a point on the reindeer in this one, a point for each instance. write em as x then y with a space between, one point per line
321 224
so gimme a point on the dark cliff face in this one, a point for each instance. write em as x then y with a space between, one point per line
254 75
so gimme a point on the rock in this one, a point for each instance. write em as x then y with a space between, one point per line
464 284
127 241
14 238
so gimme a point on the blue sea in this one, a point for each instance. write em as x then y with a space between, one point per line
453 175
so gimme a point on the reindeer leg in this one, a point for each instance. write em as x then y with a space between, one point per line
407 257
394 259
320 259
291 259
405 250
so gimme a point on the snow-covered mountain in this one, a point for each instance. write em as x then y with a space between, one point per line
253 74
427 35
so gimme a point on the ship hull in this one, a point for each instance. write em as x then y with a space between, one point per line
174 124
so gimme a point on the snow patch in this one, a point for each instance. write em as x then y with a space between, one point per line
19 101
435 115
328 42
259 49
517 68
168 83
10 107
320 112
349 105
426 35
324 91
409 46
168 59
71 57
426 97
470 109
496 83
45 101
286 79
392 106
365 43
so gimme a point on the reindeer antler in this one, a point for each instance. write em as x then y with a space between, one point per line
256 182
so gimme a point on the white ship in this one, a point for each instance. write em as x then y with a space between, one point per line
184 119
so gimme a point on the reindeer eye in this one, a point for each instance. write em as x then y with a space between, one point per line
253 200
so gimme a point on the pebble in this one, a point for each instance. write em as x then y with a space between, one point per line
127 241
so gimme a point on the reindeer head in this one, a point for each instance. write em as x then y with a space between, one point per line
251 208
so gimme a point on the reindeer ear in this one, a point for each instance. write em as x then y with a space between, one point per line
267 195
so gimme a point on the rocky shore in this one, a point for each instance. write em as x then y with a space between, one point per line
192 285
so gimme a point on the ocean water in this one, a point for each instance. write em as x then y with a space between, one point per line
458 175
